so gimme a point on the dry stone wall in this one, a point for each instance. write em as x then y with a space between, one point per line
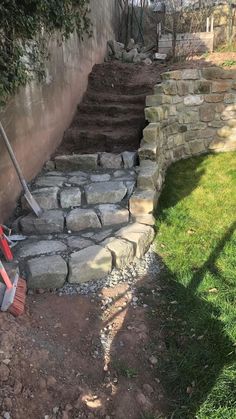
191 112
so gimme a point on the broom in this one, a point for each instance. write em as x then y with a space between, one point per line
15 293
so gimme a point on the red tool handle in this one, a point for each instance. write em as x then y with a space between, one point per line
5 246
5 277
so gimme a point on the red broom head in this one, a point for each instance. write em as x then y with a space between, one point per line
18 306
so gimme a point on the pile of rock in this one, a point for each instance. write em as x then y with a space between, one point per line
133 53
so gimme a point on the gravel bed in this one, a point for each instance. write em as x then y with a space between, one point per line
149 264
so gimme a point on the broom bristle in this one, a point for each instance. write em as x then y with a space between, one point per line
18 306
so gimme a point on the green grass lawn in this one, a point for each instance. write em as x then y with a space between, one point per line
196 241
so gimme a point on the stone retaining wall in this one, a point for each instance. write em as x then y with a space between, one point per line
191 112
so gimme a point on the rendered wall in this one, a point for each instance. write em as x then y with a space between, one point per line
37 116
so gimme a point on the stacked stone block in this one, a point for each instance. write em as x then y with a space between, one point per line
191 112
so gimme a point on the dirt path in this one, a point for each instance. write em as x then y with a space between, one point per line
80 357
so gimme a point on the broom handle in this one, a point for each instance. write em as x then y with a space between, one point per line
5 277
13 159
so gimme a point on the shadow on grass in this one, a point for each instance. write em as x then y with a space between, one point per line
198 348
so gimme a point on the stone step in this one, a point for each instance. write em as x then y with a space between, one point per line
93 162
113 98
57 221
49 263
109 110
106 122
101 139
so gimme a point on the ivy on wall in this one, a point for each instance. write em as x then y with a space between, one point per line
26 26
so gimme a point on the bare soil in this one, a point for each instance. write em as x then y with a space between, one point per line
52 360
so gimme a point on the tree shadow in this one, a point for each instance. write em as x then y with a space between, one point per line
187 337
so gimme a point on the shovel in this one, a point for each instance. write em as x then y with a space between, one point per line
28 196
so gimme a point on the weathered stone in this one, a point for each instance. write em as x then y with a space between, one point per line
223 144
188 117
193 100
207 113
142 202
200 134
229 112
197 147
113 214
221 86
41 247
202 86
79 173
139 234
116 49
148 176
49 222
111 161
89 264
214 98
82 219
128 57
190 74
131 44
105 193
230 98
147 61
212 73
70 197
150 133
225 131
197 126
102 235
129 159
46 272
155 114
45 197
50 165
76 162
53 181
130 188
75 242
78 180
147 151
147 219
122 251
123 174
169 87
185 87
101 177
175 75
158 99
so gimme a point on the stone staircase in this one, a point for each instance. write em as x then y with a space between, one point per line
97 204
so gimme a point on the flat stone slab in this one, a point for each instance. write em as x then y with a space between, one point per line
103 177
78 243
143 202
89 264
105 192
49 222
111 161
140 235
42 247
82 219
77 162
70 197
78 180
122 251
47 198
46 272
113 214
48 181
129 159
